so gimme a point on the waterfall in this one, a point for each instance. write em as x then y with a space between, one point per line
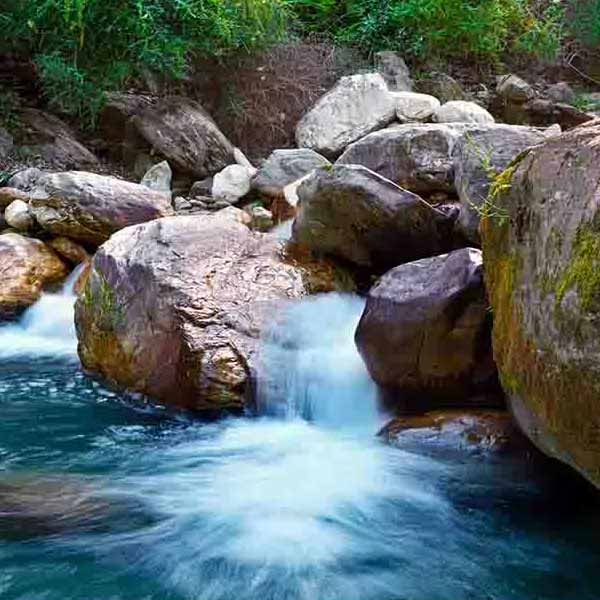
45 329
310 368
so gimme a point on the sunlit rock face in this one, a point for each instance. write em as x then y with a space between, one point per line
541 255
175 308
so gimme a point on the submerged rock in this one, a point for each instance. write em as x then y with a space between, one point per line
26 266
542 263
488 430
356 106
88 208
352 213
175 308
425 335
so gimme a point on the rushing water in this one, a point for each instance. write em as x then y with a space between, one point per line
109 500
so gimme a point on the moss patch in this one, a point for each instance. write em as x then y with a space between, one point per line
583 270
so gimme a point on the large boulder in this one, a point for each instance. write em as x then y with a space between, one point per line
479 156
542 264
352 213
89 208
394 71
511 88
425 333
53 140
26 266
354 107
442 86
180 131
415 156
175 308
283 167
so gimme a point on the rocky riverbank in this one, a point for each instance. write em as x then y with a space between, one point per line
390 191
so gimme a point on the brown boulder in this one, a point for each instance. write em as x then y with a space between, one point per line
175 308
542 264
26 266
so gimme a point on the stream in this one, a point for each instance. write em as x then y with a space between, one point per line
103 497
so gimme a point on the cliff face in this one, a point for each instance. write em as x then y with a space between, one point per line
541 241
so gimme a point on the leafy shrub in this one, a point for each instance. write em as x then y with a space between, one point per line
585 21
85 46
477 28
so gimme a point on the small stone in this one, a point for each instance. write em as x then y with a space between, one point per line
262 219
231 184
158 177
514 89
17 215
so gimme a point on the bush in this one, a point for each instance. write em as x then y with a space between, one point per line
83 47
482 29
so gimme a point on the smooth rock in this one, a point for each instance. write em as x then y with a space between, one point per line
158 177
479 156
175 308
116 111
425 335
89 208
352 213
542 265
459 111
18 216
354 107
26 266
413 107
284 167
231 184
417 157
391 66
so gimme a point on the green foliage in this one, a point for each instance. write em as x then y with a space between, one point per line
478 28
585 21
83 47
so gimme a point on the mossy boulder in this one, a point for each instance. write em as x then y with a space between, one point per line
542 264
174 308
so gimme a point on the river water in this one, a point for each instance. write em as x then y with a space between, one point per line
105 498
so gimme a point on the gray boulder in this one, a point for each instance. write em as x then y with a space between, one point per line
158 177
480 155
511 88
231 184
441 86
352 213
417 157
459 111
180 131
283 167
425 335
354 107
412 107
391 66
89 208
53 140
